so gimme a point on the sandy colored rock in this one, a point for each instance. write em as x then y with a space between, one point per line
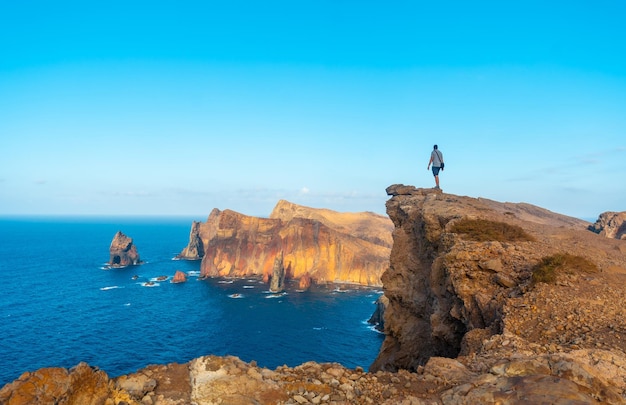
610 225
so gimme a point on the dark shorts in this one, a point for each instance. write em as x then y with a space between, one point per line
436 170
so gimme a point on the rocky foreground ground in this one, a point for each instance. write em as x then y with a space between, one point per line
465 324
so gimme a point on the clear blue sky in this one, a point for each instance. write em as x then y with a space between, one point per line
153 107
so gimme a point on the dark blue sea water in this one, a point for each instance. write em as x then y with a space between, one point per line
59 306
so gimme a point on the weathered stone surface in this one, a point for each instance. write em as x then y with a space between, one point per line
611 225
441 285
305 282
195 248
122 251
82 385
327 245
277 283
378 317
179 277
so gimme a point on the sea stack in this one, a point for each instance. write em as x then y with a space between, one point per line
123 252
179 277
195 249
277 284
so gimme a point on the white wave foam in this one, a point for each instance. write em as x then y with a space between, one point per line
276 295
110 288
373 328
248 286
225 281
193 273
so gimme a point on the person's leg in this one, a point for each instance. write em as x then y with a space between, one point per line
436 174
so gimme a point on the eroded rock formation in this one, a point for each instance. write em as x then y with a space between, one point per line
328 245
123 252
179 277
195 248
443 287
305 282
611 225
277 283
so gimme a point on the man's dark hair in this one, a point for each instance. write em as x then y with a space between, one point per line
435 147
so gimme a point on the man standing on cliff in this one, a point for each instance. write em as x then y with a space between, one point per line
436 159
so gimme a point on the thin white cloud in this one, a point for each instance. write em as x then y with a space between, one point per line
139 193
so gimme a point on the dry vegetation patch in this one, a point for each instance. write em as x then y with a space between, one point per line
484 230
546 270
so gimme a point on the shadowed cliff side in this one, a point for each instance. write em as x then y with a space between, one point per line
323 245
443 287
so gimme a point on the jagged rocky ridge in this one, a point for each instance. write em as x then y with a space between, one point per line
611 225
317 244
504 339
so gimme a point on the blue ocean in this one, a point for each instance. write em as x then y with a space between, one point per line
59 305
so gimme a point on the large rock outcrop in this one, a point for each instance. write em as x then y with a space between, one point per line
454 296
611 225
123 251
328 245
195 248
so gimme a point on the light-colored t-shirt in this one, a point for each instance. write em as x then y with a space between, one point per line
437 157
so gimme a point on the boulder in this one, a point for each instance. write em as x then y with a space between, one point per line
179 277
82 384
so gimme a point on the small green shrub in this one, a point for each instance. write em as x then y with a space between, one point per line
483 230
545 271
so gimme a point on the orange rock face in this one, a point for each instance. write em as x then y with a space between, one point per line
80 385
179 277
123 252
305 282
328 246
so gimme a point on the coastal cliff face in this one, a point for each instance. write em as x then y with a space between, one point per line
320 245
475 300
